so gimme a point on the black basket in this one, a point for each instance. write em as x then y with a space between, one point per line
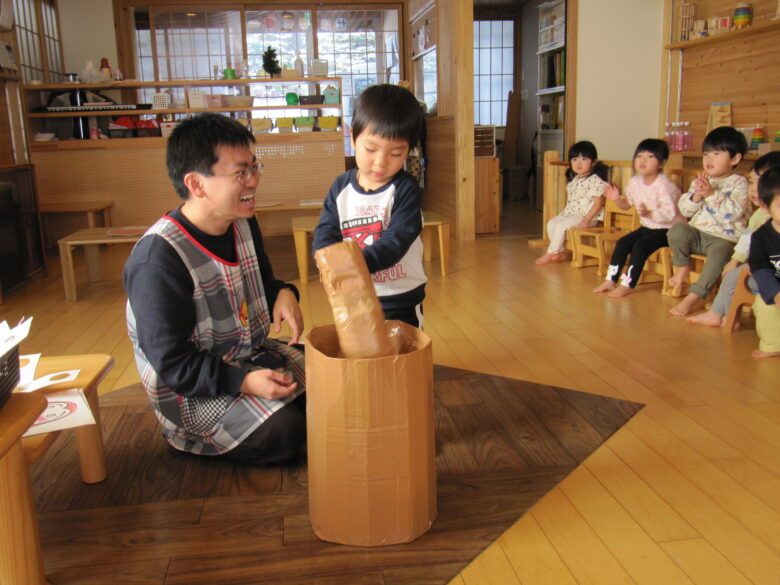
9 374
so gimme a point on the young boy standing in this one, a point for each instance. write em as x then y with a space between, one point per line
718 205
378 204
764 260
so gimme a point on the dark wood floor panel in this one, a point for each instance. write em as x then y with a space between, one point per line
170 518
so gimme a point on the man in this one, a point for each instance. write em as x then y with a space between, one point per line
201 300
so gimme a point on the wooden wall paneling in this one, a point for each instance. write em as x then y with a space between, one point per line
745 72
455 62
440 181
570 105
6 154
133 174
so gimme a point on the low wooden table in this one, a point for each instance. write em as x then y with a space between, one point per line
93 368
303 228
91 239
21 561
92 209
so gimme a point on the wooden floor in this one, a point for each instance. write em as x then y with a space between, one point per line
168 518
687 492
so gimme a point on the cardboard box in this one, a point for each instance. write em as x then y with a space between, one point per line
370 421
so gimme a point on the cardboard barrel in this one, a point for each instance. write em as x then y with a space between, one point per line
370 422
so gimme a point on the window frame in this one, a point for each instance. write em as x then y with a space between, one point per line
27 41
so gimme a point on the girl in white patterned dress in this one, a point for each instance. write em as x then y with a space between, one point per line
585 199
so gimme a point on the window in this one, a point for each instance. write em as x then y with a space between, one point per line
38 40
494 64
363 48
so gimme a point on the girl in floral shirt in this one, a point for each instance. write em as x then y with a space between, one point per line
585 199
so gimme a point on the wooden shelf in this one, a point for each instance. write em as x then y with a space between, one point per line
549 47
155 112
118 85
551 90
156 141
752 30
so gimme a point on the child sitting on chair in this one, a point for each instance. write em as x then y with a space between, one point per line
586 178
717 203
730 276
764 263
655 198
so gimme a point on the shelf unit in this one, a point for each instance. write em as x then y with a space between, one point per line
551 55
131 172
737 66
35 97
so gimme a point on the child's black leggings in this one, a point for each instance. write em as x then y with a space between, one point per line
640 244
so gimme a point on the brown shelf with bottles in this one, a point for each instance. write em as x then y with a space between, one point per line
728 36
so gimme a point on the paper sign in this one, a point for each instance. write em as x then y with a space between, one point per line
11 337
66 410
49 379
27 365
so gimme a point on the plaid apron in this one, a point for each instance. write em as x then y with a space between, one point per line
233 323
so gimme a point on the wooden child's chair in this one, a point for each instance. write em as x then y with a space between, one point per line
742 296
594 245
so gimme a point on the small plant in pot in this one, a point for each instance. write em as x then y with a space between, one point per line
271 62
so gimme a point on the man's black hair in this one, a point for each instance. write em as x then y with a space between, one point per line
192 146
766 162
655 146
586 149
389 111
725 138
769 185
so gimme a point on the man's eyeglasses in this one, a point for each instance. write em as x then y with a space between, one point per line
243 176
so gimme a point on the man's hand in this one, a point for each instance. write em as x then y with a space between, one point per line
268 384
286 308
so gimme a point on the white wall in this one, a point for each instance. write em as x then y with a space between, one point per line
619 50
87 29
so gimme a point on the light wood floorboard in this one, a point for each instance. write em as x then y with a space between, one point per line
686 493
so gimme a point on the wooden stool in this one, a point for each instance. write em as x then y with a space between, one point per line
303 229
431 221
93 368
90 239
742 296
21 561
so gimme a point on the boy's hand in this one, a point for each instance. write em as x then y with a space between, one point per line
703 187
611 192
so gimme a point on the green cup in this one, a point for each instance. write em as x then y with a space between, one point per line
229 73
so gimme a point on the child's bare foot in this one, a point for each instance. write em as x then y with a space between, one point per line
758 354
680 276
709 318
543 259
621 291
561 257
685 306
605 286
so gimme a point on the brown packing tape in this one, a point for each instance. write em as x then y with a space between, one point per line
360 323
371 474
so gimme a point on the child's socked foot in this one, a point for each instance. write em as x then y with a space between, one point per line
605 286
759 354
709 318
621 291
685 306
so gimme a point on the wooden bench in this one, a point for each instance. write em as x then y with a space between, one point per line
91 239
303 228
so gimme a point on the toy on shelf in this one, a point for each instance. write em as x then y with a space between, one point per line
331 95
687 14
757 138
743 15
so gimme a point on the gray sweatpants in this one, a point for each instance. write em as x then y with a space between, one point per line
685 240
